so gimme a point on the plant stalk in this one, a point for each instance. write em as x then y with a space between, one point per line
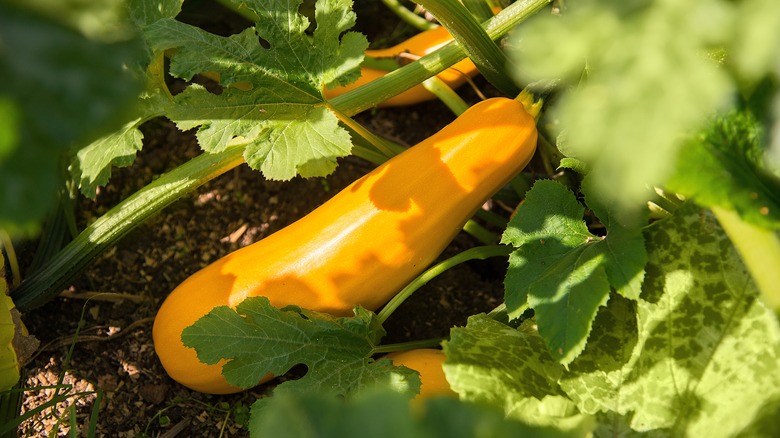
120 220
406 77
408 16
760 250
477 44
476 253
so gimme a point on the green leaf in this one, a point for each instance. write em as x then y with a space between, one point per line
257 338
317 415
103 20
642 82
9 127
284 119
593 379
511 369
564 272
704 350
66 90
755 44
144 12
725 166
91 166
285 139
624 246
384 414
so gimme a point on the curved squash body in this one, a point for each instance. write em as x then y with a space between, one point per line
419 45
428 362
364 244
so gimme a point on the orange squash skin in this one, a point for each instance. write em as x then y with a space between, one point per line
428 362
364 244
419 45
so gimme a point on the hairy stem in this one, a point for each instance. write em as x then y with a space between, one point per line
476 253
120 220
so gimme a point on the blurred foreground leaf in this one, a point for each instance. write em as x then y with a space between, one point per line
384 414
725 166
644 79
61 88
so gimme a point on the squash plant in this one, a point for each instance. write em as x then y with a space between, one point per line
640 294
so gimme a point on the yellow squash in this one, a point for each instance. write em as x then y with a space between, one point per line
364 244
419 45
428 362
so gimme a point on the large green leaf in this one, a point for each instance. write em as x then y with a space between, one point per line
284 118
642 81
62 89
492 363
384 414
703 354
256 338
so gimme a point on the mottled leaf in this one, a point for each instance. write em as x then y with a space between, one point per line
706 351
510 368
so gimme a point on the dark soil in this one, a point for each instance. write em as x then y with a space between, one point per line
113 355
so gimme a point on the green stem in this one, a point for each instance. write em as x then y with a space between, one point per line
477 231
240 9
479 9
476 253
408 16
406 77
5 242
446 94
120 220
411 345
367 153
760 250
492 218
383 146
477 44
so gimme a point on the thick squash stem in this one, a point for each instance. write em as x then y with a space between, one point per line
408 76
476 253
446 94
760 251
45 283
530 103
408 16
478 45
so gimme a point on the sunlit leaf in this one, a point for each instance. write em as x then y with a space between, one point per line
564 272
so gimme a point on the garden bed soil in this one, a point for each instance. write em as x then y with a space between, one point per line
113 354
